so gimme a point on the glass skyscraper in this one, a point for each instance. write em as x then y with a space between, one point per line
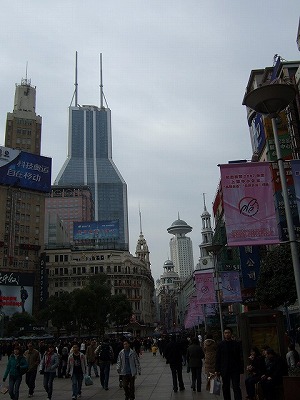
89 162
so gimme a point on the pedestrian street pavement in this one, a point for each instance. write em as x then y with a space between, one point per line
154 383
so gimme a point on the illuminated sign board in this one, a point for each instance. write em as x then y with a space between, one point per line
16 292
25 170
96 230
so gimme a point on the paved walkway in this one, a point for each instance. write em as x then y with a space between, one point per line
155 383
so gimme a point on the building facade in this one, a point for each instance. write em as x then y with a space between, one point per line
71 204
22 210
71 268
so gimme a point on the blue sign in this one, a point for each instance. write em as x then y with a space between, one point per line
25 170
96 230
250 265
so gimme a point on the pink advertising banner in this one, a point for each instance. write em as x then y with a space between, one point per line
231 288
205 287
194 313
248 204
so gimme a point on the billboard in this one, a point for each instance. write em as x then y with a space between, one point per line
25 170
16 292
96 230
248 204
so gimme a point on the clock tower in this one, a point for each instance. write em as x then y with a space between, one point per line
205 259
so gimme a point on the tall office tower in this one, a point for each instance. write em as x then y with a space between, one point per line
89 162
23 125
71 204
205 259
25 178
181 248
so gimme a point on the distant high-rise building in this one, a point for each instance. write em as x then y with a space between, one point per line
90 162
71 204
181 248
22 210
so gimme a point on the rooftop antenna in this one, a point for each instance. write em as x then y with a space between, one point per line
140 215
102 95
76 81
26 81
101 83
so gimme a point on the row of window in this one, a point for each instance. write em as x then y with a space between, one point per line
93 269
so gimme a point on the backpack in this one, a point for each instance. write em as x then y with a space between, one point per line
105 353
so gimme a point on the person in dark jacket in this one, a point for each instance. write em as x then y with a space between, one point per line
173 354
229 365
16 367
194 357
276 368
255 369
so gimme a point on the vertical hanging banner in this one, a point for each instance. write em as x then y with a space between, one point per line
231 288
205 287
195 314
250 265
295 164
248 204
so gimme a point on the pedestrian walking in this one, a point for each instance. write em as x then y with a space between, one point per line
49 365
76 368
173 353
16 367
33 359
194 357
91 358
229 365
105 356
210 351
128 365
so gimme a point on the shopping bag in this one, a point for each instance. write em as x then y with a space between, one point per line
215 386
3 389
88 380
210 376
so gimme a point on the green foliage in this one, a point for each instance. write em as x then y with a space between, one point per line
276 282
120 309
17 321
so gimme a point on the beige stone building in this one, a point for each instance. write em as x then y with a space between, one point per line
70 268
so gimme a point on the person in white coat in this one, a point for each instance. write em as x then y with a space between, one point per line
128 365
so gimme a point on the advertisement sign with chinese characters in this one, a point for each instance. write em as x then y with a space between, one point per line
16 292
25 170
248 204
96 230
250 265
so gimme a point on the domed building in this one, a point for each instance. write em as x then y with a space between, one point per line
181 248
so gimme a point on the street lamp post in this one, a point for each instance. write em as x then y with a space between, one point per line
269 100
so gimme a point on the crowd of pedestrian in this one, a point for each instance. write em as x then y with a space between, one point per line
79 359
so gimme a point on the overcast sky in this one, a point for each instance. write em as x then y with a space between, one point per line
174 73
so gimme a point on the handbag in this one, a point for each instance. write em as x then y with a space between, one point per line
88 380
215 386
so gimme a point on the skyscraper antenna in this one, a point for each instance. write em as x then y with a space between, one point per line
140 215
101 83
76 81
204 201
26 70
